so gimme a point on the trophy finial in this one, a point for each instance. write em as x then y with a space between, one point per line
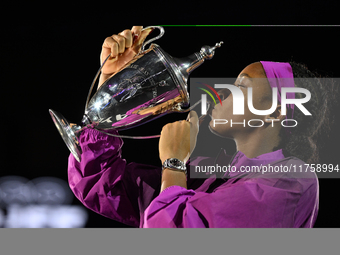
208 52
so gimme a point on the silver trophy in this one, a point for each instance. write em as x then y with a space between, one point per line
151 85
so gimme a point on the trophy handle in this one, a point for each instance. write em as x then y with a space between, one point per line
161 33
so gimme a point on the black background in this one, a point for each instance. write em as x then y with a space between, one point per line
50 54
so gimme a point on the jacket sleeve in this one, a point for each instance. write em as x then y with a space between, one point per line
252 203
106 184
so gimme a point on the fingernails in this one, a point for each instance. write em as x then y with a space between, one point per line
135 37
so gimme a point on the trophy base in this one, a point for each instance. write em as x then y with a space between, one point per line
67 133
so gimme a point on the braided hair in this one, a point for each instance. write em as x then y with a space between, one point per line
304 141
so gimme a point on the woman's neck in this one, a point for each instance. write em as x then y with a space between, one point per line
259 142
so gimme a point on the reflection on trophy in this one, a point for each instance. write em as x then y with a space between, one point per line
151 85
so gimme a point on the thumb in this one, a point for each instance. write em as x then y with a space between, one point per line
136 30
138 41
193 119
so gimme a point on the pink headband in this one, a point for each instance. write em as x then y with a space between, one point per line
280 71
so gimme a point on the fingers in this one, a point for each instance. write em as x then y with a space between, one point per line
127 35
117 43
114 44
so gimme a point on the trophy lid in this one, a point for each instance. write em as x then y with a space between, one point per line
180 68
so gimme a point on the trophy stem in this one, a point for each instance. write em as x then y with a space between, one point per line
69 133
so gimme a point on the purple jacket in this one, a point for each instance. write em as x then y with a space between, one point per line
129 193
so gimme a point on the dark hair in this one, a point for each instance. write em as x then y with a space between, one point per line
304 141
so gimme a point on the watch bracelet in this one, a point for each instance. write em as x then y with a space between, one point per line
164 165
175 169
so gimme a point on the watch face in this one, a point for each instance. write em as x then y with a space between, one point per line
175 162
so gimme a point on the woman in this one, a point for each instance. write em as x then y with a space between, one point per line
147 196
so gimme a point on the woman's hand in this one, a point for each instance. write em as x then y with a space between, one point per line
178 139
122 47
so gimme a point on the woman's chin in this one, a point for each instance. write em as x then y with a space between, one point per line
214 131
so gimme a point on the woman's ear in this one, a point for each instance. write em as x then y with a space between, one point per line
275 116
